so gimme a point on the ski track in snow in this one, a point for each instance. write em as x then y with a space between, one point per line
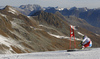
92 54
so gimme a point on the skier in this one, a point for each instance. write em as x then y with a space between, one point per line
86 42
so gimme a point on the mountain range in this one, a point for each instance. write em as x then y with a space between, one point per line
23 34
40 31
92 16
89 15
28 9
49 18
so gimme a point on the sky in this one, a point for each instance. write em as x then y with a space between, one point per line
54 3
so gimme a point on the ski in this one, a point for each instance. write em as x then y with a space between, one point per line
72 50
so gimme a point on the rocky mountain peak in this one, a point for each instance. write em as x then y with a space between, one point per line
73 8
10 9
7 7
31 7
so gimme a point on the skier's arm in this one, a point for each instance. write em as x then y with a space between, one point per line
84 40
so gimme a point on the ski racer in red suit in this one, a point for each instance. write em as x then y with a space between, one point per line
86 42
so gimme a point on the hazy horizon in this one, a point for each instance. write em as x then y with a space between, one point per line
54 3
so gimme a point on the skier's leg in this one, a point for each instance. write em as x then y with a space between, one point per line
87 45
90 45
83 47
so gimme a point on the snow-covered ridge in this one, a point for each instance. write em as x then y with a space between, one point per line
4 40
58 36
12 10
80 34
7 42
63 37
2 15
10 42
45 26
97 34
60 9
36 28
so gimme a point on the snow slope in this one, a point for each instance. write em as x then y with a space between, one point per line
92 54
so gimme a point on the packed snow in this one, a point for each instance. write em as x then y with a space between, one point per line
94 53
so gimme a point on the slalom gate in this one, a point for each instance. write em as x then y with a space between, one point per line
72 35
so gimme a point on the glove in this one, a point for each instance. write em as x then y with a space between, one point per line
81 43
